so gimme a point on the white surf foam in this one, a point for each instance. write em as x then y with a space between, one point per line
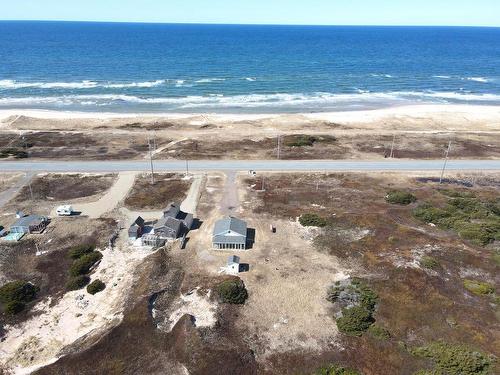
316 100
210 80
10 84
478 79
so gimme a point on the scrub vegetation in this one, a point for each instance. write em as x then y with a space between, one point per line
473 219
232 291
453 359
400 197
312 220
15 295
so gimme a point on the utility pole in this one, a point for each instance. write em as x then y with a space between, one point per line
31 190
279 146
392 146
151 160
446 154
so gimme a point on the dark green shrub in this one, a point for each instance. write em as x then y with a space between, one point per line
96 286
400 197
82 265
367 296
300 140
429 214
14 307
457 193
232 291
80 250
429 262
452 359
16 294
18 291
355 320
379 332
478 287
77 282
312 220
335 370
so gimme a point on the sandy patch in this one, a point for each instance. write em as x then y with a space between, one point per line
195 304
38 341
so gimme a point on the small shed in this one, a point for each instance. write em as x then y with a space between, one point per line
29 224
230 233
233 264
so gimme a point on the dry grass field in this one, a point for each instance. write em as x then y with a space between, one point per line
418 271
167 188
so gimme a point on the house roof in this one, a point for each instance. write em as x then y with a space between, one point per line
168 222
230 224
233 259
26 221
172 210
139 221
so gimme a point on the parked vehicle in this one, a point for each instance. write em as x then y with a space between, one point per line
65 210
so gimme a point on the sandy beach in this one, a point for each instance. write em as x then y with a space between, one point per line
418 132
476 111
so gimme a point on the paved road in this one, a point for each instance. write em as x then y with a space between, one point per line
243 165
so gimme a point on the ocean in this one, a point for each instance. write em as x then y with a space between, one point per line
180 68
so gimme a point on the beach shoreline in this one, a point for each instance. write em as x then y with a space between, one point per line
483 111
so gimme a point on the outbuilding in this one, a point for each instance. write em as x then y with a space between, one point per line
230 233
30 224
233 264
136 229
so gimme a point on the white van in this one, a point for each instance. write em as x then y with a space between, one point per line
66 210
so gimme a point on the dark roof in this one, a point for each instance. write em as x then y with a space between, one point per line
233 259
139 221
26 221
223 226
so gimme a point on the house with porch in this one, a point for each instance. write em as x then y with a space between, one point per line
230 233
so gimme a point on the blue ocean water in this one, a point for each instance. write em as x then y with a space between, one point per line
110 67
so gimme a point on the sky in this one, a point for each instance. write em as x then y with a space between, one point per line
301 12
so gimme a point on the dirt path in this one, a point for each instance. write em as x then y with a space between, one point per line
230 203
7 195
109 200
163 148
189 204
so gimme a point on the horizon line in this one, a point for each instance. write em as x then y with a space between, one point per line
246 24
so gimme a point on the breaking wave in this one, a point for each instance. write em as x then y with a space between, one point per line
278 102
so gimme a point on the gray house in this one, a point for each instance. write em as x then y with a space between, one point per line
230 233
167 227
136 229
173 222
29 224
